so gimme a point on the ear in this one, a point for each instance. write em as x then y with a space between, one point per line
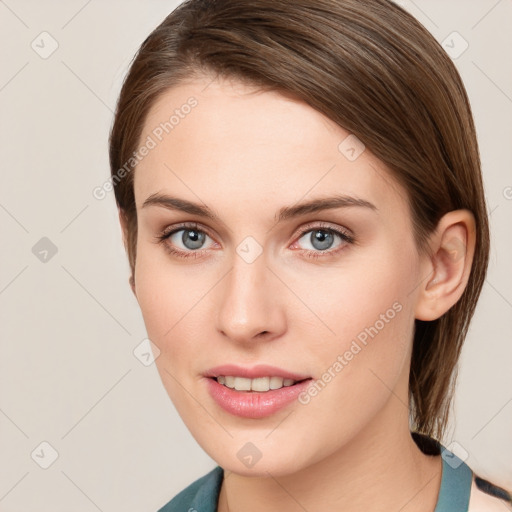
124 229
448 266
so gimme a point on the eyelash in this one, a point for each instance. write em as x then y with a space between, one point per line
343 235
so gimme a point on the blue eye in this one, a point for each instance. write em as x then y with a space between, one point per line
191 239
322 241
188 241
185 241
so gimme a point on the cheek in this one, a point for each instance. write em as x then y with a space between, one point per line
370 314
162 298
172 298
164 304
367 299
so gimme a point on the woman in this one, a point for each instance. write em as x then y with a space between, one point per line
299 189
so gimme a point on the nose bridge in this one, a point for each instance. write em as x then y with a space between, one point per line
249 304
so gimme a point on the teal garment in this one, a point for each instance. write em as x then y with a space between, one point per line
454 493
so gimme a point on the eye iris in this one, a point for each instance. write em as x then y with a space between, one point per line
196 239
321 239
324 238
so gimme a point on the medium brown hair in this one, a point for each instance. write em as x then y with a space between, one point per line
374 70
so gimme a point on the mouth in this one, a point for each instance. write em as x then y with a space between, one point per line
256 392
259 384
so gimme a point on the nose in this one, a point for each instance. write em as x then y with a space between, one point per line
251 306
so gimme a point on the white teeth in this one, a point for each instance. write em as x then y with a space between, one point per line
276 382
242 384
229 382
261 384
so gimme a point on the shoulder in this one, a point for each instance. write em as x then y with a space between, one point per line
201 495
487 497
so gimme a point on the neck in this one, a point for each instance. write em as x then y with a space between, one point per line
380 469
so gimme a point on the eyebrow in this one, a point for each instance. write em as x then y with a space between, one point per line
287 212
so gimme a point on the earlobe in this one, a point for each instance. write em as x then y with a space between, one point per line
132 285
448 266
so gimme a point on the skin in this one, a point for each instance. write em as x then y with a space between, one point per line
246 154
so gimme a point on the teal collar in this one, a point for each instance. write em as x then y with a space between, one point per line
455 484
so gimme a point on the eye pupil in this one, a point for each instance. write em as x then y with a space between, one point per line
196 238
324 238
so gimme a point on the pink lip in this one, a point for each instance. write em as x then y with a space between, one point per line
254 404
260 370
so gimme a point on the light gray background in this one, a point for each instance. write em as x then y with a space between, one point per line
68 375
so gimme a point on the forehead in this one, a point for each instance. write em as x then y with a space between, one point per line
225 140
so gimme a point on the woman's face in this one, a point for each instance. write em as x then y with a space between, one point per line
245 282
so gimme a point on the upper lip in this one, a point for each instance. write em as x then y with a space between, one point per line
260 370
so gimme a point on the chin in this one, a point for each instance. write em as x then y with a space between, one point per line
273 467
258 459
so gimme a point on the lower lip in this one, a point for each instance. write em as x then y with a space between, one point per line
254 404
